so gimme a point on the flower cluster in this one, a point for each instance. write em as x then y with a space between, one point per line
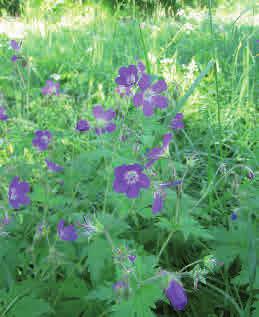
103 121
3 115
16 47
134 81
51 88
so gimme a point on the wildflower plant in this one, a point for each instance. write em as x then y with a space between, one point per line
95 217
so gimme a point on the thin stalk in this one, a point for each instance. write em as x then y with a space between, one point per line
216 77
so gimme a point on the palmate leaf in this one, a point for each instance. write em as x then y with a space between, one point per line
231 243
99 257
139 303
29 306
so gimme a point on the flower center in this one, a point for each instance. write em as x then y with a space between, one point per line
131 79
44 139
148 95
132 177
101 123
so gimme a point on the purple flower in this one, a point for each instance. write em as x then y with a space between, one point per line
104 119
129 179
53 166
82 125
250 174
154 154
15 45
176 295
14 58
234 216
128 76
150 95
3 116
177 122
6 220
66 233
158 202
132 258
18 193
42 140
170 184
141 67
51 88
120 287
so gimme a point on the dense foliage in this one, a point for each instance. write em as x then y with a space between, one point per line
128 167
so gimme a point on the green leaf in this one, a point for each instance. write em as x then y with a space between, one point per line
28 306
99 256
140 302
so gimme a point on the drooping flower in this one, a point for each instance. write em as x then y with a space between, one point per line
67 233
234 216
177 122
158 202
53 166
82 126
129 179
141 67
176 295
3 224
15 45
154 154
128 76
51 88
6 220
120 287
150 96
18 193
3 115
104 119
14 58
42 140
132 258
250 175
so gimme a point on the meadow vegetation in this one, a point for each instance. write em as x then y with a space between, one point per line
129 190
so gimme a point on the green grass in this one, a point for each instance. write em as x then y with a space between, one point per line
218 146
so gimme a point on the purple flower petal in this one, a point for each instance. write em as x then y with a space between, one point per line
144 181
159 86
138 99
144 82
109 115
158 203
98 112
3 116
53 166
133 191
167 139
148 108
110 127
82 126
176 295
15 45
132 258
160 101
